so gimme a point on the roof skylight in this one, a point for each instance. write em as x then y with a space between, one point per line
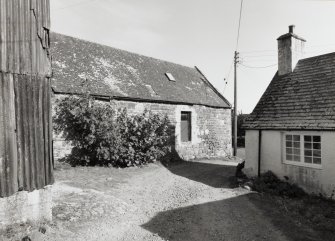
170 76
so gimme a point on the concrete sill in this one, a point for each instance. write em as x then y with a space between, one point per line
300 164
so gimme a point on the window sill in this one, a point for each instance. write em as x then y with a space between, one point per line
185 142
300 164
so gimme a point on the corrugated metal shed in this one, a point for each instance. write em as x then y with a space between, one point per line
25 69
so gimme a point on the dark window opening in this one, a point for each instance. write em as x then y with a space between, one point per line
312 146
186 126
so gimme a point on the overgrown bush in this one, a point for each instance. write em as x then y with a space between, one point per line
270 183
102 136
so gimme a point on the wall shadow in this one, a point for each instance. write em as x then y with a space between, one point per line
214 175
231 219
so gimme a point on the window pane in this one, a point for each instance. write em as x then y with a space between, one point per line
289 150
296 158
312 149
308 152
308 145
316 138
317 146
296 138
289 157
317 153
184 116
316 160
289 144
296 144
308 159
288 137
296 152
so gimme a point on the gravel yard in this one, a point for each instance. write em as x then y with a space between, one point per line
185 201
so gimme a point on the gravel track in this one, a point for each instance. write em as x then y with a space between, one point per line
187 201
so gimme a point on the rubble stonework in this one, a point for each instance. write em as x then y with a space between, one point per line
26 206
211 129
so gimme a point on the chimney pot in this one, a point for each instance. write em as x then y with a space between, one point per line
291 28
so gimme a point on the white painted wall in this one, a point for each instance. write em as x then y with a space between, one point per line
35 207
251 152
312 179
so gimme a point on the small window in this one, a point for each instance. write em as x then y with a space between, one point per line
185 126
293 148
303 149
170 77
312 148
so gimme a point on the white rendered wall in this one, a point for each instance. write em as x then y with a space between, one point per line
313 179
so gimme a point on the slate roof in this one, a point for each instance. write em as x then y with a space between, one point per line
115 73
303 99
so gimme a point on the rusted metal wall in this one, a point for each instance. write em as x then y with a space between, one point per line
25 118
24 36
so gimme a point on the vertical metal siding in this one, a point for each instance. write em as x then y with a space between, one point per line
25 117
24 36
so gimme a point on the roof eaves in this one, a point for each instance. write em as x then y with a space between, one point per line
109 97
283 128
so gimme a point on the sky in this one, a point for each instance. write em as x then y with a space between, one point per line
203 33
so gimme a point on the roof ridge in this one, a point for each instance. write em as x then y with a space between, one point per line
123 50
317 56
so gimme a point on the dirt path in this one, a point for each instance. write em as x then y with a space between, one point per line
188 201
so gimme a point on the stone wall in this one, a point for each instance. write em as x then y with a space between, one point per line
26 206
211 129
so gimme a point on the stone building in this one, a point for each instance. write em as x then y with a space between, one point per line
200 114
291 131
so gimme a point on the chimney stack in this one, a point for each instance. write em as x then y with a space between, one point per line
291 28
290 50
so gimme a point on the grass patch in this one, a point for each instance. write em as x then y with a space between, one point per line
317 212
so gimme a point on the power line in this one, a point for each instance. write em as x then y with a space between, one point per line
228 75
256 56
258 51
322 45
239 25
311 48
258 67
236 61
75 4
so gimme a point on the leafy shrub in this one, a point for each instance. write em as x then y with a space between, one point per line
102 136
270 183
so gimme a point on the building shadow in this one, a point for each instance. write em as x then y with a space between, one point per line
233 219
211 173
214 175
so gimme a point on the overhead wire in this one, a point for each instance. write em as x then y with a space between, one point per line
237 42
258 67
310 49
75 4
239 25
228 75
